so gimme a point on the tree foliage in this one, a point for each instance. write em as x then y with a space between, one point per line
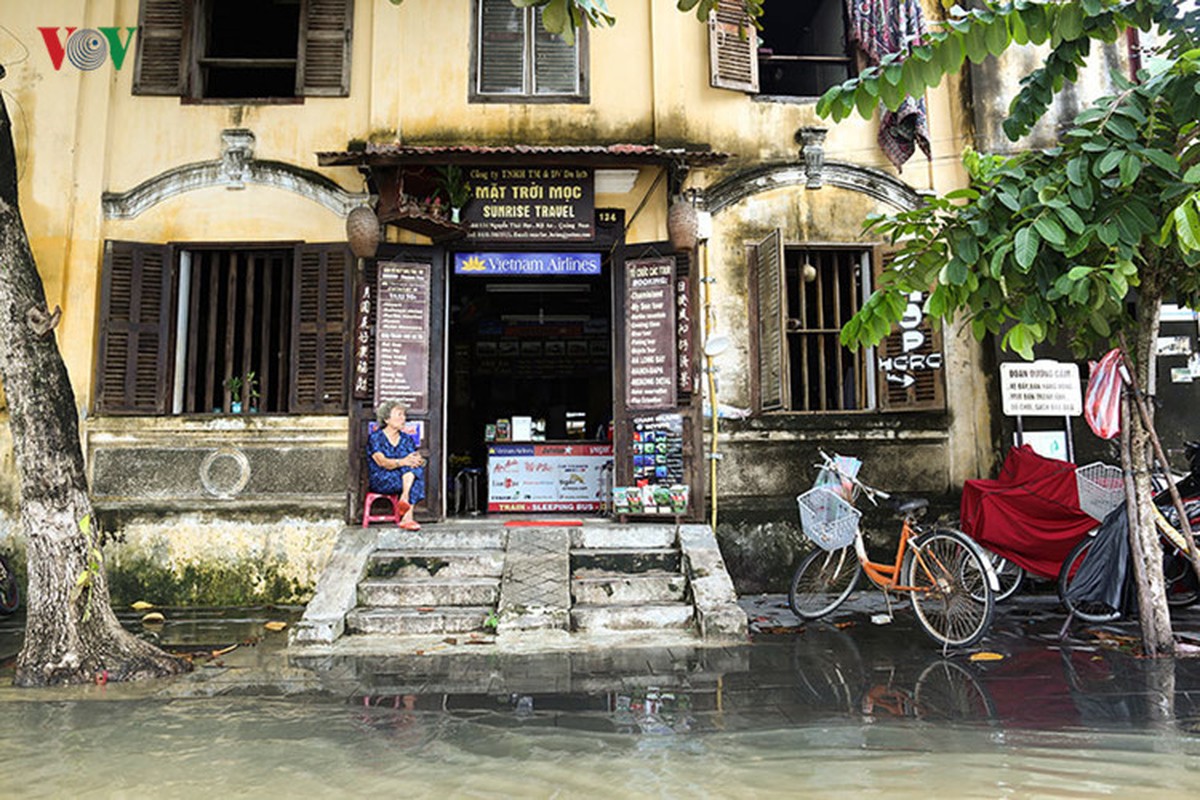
1051 241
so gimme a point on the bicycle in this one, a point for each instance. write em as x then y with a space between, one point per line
1101 489
1182 586
949 582
10 597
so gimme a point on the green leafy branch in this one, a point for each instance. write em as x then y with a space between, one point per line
1068 26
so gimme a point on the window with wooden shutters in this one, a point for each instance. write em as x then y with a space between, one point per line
517 59
803 297
767 269
321 328
801 50
134 348
238 319
733 47
253 50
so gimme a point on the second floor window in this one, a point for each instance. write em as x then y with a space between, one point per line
244 50
801 51
517 59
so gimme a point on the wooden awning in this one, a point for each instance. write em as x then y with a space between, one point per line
613 155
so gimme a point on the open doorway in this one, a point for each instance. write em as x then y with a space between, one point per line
530 361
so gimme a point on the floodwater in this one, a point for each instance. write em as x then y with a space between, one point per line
816 710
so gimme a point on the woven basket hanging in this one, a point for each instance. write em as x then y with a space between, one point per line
362 231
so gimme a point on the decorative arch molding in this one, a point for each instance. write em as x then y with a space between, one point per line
235 169
869 181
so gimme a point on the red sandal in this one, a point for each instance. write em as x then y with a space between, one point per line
410 525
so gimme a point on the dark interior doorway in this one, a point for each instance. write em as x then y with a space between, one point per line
538 346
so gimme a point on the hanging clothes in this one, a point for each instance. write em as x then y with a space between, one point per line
880 27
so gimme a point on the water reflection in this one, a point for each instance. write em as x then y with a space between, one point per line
818 710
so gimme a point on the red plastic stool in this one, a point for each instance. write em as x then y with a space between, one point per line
393 506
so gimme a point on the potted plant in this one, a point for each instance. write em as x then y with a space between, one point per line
457 188
235 385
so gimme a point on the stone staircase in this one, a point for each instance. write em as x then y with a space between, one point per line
428 583
567 581
629 578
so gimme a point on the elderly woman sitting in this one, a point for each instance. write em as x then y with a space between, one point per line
393 463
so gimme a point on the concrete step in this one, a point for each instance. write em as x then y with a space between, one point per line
393 592
631 617
404 621
434 537
623 559
597 588
640 536
435 563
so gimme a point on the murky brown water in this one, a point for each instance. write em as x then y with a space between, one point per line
815 712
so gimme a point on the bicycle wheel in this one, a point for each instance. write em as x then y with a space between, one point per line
1182 587
949 588
1009 574
947 692
10 598
823 580
1085 610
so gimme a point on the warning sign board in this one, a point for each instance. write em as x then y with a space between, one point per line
1040 389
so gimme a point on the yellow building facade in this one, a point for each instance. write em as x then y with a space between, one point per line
186 173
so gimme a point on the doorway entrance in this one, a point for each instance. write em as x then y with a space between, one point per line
530 363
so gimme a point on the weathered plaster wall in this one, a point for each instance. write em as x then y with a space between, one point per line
208 560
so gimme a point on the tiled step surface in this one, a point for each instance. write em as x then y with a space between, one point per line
631 617
621 588
394 592
627 560
435 563
406 621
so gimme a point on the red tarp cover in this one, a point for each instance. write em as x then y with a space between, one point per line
1030 514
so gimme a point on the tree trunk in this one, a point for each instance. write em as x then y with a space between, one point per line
71 634
1145 551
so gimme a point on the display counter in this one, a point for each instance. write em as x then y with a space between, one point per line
549 476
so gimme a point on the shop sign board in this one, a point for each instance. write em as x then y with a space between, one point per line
489 265
650 374
520 204
362 343
1040 389
402 335
548 477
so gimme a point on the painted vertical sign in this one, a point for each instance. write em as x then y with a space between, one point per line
362 342
650 333
524 203
683 332
402 335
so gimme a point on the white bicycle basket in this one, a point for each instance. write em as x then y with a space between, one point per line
1101 489
827 519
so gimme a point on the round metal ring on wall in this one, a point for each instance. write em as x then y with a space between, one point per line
225 472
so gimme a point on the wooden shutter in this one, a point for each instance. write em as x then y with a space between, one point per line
732 47
910 360
325 38
320 328
161 47
767 271
134 350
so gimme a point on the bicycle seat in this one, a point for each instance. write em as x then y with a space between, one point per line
911 505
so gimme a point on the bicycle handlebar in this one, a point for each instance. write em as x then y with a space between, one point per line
830 463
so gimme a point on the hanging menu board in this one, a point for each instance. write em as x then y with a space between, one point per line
658 449
402 335
650 333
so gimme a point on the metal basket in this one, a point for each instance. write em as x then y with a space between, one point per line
827 519
1101 489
